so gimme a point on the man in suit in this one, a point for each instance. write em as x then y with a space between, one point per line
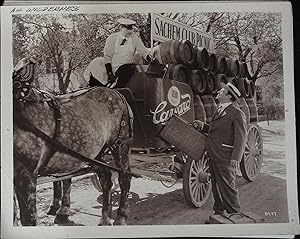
119 51
227 135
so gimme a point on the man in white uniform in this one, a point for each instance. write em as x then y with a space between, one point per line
119 51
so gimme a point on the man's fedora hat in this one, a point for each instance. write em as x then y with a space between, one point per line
126 22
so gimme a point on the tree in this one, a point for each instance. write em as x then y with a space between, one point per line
69 42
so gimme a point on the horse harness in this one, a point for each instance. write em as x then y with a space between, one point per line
52 145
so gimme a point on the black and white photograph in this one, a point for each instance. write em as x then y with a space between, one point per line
170 119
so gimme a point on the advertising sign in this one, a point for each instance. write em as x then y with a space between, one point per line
165 29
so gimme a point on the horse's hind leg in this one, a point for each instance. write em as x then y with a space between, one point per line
106 184
63 213
124 181
57 194
25 186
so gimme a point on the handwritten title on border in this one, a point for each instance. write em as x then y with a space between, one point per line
41 9
165 29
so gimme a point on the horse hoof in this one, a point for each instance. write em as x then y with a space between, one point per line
52 211
107 222
62 219
120 222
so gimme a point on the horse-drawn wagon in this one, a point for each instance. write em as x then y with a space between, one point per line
183 81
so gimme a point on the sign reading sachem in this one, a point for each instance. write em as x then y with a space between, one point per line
165 29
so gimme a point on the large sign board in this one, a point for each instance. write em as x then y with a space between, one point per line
165 29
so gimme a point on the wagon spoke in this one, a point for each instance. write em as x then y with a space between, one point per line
201 192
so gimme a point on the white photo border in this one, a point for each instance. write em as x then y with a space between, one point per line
150 231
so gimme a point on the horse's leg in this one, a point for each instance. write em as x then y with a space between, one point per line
124 181
63 213
57 194
25 186
106 184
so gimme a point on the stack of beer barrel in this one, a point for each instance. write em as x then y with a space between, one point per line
204 71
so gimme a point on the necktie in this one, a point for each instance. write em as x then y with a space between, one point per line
123 42
219 110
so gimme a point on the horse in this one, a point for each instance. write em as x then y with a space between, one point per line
51 133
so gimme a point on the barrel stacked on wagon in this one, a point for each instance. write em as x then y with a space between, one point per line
204 71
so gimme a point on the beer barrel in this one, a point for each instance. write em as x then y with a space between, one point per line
202 59
198 81
210 87
210 106
233 67
243 70
222 78
242 85
213 62
217 83
179 73
244 107
199 109
251 88
174 52
221 65
253 109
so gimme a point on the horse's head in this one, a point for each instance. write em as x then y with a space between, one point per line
23 76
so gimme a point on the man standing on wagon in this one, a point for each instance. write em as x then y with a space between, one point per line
119 51
227 135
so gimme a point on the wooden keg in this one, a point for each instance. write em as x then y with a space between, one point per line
217 83
243 70
174 52
233 67
198 81
222 78
253 109
210 84
210 106
179 73
202 59
221 65
244 107
213 62
199 109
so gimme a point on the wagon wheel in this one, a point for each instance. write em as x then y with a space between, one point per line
96 182
196 181
253 156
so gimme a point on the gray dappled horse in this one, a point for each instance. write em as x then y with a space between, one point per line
85 121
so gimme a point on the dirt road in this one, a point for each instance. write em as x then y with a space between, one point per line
153 204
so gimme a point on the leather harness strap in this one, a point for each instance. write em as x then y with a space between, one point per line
51 145
26 125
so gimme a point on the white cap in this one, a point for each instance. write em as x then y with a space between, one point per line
236 93
125 21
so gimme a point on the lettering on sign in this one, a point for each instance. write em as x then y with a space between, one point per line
164 29
180 104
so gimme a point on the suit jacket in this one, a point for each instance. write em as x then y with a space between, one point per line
227 135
